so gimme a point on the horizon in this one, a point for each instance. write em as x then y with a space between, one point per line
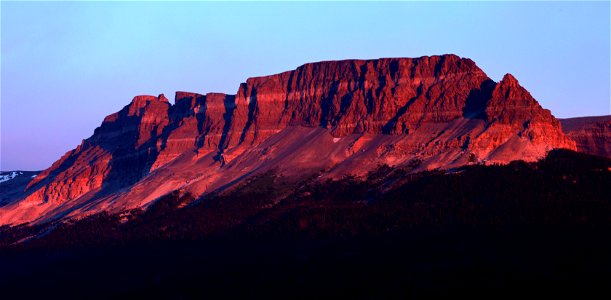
90 49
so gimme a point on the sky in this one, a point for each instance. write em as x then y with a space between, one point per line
66 65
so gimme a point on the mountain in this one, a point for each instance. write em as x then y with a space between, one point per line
592 135
325 119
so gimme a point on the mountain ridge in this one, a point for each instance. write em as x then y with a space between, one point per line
591 134
335 117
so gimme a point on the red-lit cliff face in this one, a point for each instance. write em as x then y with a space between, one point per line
197 124
118 153
391 96
591 134
338 117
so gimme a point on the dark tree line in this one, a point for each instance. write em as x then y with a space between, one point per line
541 226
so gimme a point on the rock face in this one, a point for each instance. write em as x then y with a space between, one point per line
338 117
591 134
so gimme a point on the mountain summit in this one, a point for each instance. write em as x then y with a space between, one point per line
327 119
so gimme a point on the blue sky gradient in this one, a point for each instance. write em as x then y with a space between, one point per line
66 65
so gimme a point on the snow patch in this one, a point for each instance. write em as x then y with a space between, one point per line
335 140
33 175
7 177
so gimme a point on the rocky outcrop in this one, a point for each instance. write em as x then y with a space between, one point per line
342 117
517 126
591 134
198 123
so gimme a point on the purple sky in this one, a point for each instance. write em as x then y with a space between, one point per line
66 65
